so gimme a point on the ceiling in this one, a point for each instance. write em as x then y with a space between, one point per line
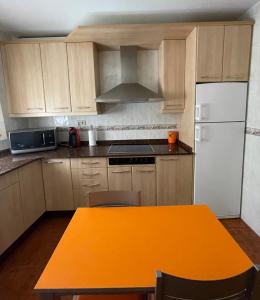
59 17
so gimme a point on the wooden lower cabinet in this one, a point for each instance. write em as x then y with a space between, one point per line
174 179
57 184
144 180
32 192
11 216
120 178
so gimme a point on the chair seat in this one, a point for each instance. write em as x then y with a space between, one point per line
110 297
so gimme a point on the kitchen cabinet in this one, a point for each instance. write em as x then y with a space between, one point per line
210 53
83 74
88 175
55 77
223 53
57 184
172 74
11 216
144 180
237 45
32 192
174 179
120 178
23 78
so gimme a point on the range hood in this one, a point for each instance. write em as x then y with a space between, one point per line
129 90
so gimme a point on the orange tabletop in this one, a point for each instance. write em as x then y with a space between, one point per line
109 249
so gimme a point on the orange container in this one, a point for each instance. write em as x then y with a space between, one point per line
172 137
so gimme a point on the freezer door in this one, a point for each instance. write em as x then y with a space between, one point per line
221 102
218 167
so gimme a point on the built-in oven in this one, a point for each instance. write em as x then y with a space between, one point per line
32 140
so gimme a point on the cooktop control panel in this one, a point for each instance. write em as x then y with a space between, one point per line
146 160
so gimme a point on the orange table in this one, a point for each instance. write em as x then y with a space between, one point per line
113 249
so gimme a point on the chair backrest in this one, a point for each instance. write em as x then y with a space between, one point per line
242 287
114 198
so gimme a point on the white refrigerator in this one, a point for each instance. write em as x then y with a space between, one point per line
219 145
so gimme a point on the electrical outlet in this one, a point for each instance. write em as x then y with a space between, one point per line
82 123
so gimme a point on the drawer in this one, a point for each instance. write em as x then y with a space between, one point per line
93 173
8 179
92 185
83 163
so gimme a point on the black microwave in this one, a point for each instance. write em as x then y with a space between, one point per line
32 140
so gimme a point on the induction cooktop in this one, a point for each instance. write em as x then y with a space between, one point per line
117 149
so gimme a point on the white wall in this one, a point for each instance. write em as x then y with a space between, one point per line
122 121
10 123
251 184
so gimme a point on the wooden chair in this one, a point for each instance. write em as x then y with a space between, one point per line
245 286
114 198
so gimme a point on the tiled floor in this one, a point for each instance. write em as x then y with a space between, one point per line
22 266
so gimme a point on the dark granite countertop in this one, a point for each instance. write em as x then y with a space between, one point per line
10 162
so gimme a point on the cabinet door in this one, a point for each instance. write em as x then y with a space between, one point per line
120 179
172 74
210 53
144 180
236 53
58 184
55 77
23 77
32 192
81 59
174 180
11 218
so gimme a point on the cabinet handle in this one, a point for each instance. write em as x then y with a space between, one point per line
61 107
53 162
91 185
92 174
168 159
90 163
210 76
234 76
145 171
34 108
83 107
121 171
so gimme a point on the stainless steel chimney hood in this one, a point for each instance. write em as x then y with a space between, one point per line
129 90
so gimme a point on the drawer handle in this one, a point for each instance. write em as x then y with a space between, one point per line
61 107
168 159
90 163
53 162
146 171
121 171
91 185
83 107
34 108
92 174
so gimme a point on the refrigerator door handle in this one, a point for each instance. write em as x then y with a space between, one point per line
198 112
198 134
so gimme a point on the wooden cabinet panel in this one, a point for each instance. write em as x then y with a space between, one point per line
84 163
120 179
32 192
82 74
174 180
23 78
144 180
57 184
55 77
11 217
237 46
8 179
210 53
172 74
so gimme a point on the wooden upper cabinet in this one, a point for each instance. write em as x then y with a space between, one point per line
55 77
172 74
23 77
237 45
82 75
210 53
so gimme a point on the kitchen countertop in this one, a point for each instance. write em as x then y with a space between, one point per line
10 162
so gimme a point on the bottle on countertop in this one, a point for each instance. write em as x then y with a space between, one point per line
74 137
92 138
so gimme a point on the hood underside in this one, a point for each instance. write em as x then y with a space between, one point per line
129 90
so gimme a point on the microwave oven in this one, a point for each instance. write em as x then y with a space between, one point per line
32 140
